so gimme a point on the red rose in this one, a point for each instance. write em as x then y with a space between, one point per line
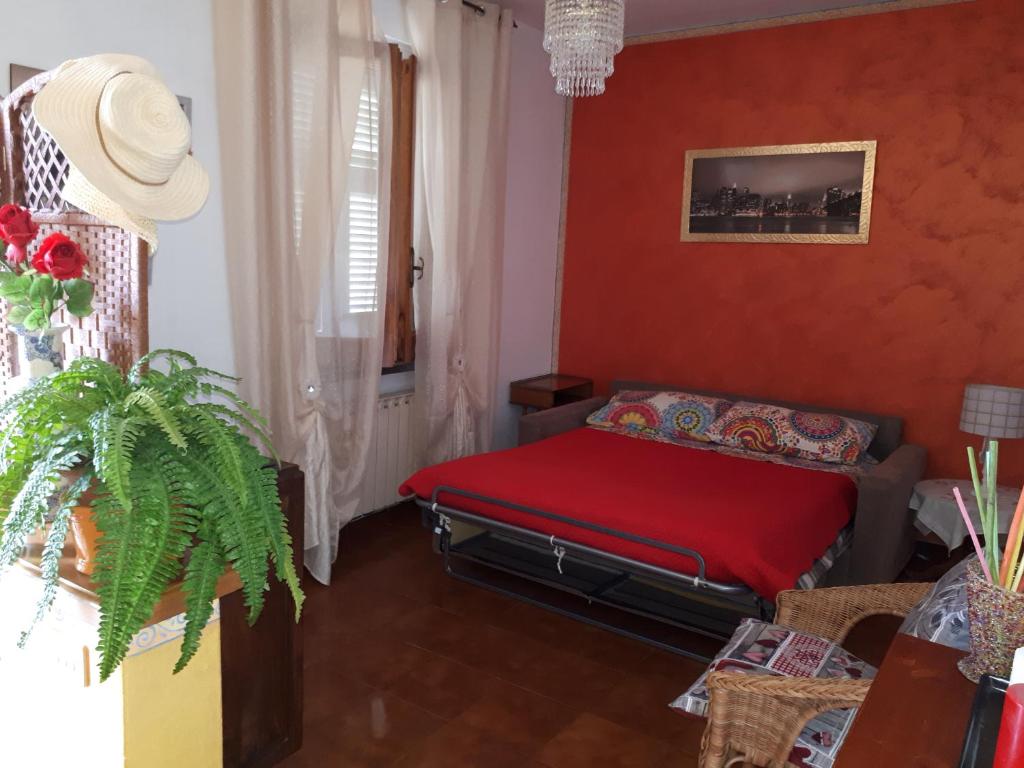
60 256
17 230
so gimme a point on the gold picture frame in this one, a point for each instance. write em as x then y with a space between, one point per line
841 216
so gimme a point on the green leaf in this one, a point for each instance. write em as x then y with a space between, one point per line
153 403
138 557
40 287
80 307
200 586
113 449
49 564
80 293
34 320
80 311
18 313
14 286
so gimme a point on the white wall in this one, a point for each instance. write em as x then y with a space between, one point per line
536 132
188 296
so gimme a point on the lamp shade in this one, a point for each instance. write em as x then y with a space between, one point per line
995 412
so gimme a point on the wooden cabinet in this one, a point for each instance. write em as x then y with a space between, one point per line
261 666
549 390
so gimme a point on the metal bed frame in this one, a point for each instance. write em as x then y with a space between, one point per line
662 599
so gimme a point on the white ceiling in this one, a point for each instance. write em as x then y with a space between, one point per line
644 17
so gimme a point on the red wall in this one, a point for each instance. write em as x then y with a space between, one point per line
896 326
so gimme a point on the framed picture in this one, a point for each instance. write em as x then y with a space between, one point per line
19 73
796 193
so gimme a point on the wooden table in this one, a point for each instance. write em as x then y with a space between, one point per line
915 714
549 391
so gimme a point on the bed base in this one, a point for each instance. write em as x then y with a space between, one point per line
686 614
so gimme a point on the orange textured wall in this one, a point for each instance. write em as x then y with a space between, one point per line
896 326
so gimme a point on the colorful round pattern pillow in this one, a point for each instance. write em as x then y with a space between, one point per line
638 416
753 433
804 434
817 426
677 417
687 418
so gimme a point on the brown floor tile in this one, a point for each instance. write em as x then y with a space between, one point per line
514 714
556 673
462 746
439 685
634 703
376 658
591 741
362 727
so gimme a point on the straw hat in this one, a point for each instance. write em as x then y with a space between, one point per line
127 140
81 194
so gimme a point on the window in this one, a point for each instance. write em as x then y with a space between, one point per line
363 231
352 277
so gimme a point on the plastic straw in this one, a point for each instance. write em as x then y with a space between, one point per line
1015 587
992 501
974 535
982 509
1011 557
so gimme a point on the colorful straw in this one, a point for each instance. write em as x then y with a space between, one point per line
989 526
974 535
991 502
1011 557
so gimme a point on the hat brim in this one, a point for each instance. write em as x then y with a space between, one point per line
66 109
80 193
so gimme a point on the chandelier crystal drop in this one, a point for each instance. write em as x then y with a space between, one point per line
582 37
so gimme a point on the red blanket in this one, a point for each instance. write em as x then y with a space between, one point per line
755 522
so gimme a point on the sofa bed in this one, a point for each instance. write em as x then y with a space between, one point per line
614 523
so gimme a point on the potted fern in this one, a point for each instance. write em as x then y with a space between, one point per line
172 482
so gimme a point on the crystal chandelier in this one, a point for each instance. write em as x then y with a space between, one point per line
582 37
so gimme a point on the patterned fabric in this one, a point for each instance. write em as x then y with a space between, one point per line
862 465
775 430
671 416
757 648
942 616
813 576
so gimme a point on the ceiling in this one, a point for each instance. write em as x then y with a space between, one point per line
644 17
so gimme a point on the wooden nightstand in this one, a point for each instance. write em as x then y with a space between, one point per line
549 390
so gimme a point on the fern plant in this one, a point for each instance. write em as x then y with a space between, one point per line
166 458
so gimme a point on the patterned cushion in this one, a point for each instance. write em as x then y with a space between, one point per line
773 429
675 416
942 616
757 648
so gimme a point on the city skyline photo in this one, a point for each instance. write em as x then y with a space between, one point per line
796 193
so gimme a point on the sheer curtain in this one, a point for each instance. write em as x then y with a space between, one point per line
462 126
305 147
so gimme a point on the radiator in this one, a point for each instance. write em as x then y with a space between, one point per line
390 460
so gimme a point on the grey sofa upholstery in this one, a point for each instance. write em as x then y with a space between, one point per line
884 533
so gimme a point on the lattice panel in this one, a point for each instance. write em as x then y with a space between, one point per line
44 166
34 172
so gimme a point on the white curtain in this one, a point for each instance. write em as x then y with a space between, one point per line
303 92
462 125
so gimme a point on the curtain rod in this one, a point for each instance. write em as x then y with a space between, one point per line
481 10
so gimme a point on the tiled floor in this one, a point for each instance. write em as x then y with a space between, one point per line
407 667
